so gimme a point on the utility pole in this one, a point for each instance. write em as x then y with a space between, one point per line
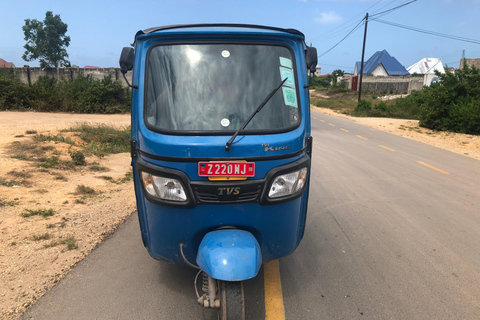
363 57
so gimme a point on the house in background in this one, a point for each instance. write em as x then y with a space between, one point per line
427 68
5 64
381 64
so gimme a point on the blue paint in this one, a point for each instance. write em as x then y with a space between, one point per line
262 232
229 255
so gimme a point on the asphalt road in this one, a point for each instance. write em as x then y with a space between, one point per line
393 232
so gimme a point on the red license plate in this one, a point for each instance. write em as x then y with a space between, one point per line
226 169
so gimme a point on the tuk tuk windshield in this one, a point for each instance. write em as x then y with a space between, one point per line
212 87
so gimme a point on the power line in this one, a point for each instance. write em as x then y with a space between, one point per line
351 31
393 9
358 24
332 65
386 5
434 33
337 30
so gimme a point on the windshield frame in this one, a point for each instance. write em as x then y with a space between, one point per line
221 132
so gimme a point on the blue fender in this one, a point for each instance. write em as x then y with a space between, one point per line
229 255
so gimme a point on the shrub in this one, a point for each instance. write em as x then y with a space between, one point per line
454 103
81 95
78 158
382 106
14 94
363 105
40 212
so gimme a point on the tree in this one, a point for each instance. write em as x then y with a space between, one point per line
46 41
337 73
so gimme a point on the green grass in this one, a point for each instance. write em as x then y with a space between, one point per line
10 183
4 203
102 140
40 212
57 138
70 242
128 177
347 103
84 190
49 162
19 157
40 237
95 166
51 244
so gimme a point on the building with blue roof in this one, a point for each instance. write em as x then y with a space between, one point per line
382 64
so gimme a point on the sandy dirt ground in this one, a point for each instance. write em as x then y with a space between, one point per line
35 252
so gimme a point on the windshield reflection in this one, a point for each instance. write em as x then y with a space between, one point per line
209 87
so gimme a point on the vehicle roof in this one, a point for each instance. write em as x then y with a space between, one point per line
223 27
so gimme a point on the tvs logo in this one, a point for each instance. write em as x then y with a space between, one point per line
228 191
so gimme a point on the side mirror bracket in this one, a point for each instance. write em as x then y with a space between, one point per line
126 63
311 58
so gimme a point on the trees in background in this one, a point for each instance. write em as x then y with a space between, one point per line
46 41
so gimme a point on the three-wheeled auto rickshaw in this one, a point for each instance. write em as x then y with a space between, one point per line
221 149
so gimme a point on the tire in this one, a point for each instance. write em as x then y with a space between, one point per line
233 302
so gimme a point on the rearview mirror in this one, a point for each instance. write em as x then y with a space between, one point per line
126 60
312 59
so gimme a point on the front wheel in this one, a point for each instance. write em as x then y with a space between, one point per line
233 302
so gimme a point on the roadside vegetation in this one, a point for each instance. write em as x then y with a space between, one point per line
77 143
66 151
80 95
451 105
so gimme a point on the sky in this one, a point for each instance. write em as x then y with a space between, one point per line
100 29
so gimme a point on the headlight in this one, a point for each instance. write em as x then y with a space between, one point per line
164 188
288 184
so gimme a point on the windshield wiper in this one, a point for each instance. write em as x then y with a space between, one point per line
270 95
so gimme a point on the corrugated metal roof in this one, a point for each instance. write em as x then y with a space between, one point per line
389 63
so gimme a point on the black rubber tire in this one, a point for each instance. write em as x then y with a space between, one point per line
233 303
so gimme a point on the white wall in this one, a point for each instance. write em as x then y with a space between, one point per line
380 71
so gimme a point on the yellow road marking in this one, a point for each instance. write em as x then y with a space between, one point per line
387 148
362 137
322 120
314 117
274 308
332 125
344 130
432 167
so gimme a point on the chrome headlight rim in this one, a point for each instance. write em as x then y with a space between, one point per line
273 174
181 177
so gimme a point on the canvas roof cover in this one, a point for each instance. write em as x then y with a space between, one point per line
427 66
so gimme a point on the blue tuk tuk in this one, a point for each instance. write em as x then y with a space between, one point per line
221 149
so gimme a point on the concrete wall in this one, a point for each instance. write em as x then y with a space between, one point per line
31 75
470 62
394 84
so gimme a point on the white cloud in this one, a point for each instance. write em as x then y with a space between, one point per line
328 18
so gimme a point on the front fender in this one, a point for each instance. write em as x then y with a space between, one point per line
230 255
